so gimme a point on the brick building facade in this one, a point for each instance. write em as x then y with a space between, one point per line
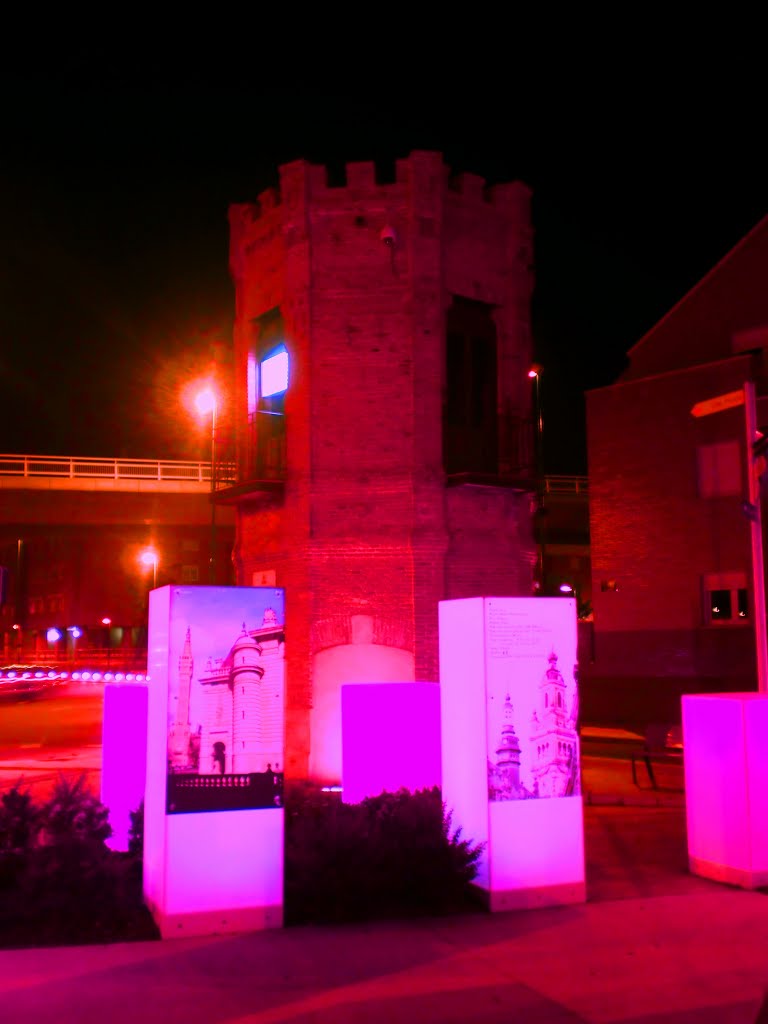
670 541
396 469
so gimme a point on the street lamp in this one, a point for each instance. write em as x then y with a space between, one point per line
75 632
149 557
206 403
106 621
534 374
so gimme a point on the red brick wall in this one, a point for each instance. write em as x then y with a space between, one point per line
653 534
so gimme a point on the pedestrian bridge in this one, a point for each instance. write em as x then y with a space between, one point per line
70 473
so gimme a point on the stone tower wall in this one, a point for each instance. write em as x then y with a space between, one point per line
366 526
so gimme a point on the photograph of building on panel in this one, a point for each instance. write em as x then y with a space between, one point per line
532 693
226 700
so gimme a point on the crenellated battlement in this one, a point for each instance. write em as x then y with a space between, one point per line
423 170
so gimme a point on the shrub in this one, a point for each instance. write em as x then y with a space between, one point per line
67 886
391 855
74 815
136 833
19 821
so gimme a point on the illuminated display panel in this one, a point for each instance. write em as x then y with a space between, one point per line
510 748
390 738
274 374
213 812
726 786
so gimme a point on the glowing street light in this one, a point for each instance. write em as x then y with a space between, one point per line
106 621
206 402
149 557
75 632
534 374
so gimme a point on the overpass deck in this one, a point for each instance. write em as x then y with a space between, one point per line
75 473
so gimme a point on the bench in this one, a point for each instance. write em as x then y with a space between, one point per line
663 745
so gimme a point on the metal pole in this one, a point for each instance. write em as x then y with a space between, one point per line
212 561
756 536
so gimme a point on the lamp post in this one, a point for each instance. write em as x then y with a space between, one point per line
206 403
756 538
75 632
106 621
534 374
149 557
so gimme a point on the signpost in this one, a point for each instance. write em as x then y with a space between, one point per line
730 400
725 756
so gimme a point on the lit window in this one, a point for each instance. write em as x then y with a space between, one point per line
726 598
274 373
190 574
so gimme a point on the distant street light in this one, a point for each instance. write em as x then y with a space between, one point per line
535 375
206 402
538 425
149 557
106 621
75 632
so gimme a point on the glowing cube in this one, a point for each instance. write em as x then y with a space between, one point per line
390 738
510 745
123 756
726 786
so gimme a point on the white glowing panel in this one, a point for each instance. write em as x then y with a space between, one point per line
123 756
390 738
213 830
510 745
726 786
274 374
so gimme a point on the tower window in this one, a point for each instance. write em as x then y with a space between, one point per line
470 417
274 373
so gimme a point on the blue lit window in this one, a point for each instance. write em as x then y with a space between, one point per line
274 373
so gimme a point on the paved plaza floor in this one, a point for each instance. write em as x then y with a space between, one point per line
653 944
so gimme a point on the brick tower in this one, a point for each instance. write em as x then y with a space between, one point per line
394 470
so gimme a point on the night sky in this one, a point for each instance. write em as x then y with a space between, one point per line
114 283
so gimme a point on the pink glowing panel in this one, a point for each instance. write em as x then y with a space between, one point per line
124 756
274 374
390 738
726 786
510 747
213 856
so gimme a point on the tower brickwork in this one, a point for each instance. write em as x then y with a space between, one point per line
396 469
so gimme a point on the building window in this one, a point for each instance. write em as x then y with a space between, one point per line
726 598
267 380
190 574
719 467
470 416
274 373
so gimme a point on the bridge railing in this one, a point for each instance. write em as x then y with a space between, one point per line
75 467
566 484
